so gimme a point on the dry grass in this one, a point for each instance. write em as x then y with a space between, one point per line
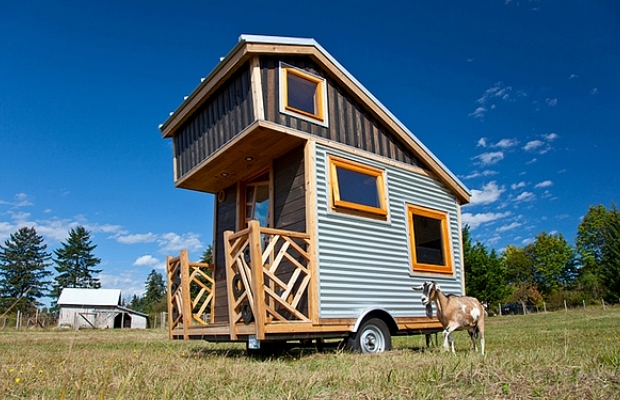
559 355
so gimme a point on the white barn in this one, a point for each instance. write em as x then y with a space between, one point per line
97 309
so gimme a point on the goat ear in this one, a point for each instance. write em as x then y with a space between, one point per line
429 310
421 287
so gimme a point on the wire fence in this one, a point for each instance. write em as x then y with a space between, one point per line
20 320
524 308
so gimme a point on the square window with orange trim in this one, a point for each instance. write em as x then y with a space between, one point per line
429 237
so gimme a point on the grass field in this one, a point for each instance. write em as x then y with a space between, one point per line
559 355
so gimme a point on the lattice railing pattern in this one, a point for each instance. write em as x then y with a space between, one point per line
274 265
191 293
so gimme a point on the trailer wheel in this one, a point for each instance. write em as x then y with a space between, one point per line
246 313
372 337
237 285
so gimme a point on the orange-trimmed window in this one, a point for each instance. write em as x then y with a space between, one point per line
430 240
357 188
303 94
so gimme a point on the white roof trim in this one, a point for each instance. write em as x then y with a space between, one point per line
90 297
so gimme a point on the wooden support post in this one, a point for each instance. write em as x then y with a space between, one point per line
169 295
187 302
229 279
256 263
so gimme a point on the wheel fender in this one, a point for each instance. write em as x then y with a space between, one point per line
377 313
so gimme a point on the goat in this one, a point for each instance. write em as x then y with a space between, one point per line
454 313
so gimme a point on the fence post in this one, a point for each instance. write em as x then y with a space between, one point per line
565 308
545 306
584 304
603 303
500 309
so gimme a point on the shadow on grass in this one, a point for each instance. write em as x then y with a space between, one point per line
284 351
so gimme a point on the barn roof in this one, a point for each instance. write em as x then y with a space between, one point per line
249 45
91 297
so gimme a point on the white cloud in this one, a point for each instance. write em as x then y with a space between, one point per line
551 102
533 145
543 184
532 161
516 186
506 143
146 260
477 174
478 112
475 220
489 158
171 243
508 227
573 76
525 196
136 238
490 193
482 142
550 136
125 281
594 91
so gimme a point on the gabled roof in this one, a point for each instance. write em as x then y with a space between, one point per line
90 297
250 45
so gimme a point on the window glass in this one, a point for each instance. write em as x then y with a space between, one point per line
302 94
430 240
356 187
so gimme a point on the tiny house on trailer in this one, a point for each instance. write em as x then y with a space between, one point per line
327 208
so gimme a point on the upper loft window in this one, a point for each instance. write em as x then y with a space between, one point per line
429 235
357 188
303 95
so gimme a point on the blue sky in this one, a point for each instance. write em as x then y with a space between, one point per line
519 99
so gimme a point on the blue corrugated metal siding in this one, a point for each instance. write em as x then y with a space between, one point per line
365 263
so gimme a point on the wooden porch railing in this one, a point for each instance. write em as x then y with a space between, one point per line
268 277
191 292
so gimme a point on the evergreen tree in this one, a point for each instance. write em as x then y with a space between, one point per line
23 263
75 263
155 291
610 264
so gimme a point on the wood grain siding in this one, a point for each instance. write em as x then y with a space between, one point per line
350 122
289 192
290 207
365 263
225 218
226 113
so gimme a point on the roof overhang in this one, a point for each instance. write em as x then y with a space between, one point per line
248 154
250 45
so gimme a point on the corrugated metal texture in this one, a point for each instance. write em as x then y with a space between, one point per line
227 112
364 263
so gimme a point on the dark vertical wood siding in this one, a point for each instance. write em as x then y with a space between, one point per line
289 206
226 215
289 201
349 122
227 112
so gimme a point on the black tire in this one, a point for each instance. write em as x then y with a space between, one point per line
237 286
246 313
372 337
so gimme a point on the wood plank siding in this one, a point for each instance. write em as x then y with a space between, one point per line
226 113
225 220
349 122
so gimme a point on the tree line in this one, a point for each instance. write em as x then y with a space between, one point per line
25 276
550 270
